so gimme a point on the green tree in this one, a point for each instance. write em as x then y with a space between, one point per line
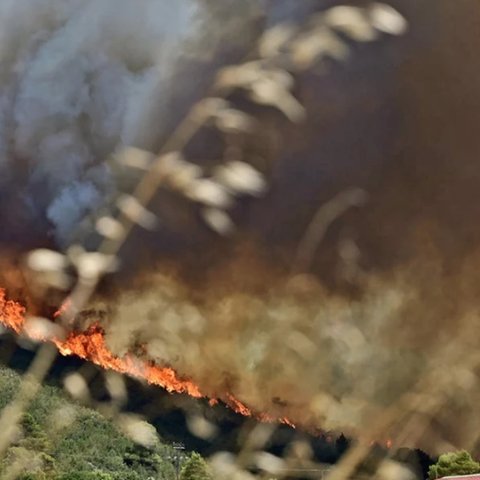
85 447
195 468
454 463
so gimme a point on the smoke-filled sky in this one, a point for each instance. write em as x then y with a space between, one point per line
80 79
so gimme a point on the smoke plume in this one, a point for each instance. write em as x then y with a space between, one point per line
75 77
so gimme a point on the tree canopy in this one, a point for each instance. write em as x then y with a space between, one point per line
454 463
87 447
195 468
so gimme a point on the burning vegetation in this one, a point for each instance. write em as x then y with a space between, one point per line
90 345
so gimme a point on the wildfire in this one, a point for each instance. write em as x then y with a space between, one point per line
388 444
12 314
91 345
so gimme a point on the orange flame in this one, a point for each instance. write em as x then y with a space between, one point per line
12 314
388 444
90 345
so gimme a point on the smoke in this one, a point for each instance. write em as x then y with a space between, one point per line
393 280
290 348
75 78
393 297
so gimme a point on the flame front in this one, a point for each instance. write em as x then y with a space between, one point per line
90 345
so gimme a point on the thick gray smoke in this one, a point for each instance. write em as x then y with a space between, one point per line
75 78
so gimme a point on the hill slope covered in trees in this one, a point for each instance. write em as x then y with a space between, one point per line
64 441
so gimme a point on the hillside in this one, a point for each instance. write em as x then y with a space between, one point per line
64 441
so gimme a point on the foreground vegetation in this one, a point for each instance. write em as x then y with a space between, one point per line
60 440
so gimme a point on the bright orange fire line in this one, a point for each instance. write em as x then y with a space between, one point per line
90 345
